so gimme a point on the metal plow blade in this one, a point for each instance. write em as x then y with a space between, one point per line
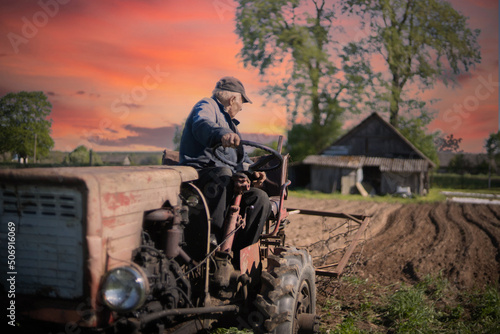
351 228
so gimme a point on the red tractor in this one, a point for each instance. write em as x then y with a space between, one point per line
129 249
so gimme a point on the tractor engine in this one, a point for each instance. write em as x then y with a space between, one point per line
169 287
156 281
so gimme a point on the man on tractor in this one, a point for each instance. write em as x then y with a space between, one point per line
212 123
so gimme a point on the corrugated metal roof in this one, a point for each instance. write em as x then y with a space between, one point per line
345 161
385 164
370 118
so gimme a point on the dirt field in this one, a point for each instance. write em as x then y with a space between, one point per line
407 242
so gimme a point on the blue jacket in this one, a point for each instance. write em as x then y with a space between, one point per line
204 128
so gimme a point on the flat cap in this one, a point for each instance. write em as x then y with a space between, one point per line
233 85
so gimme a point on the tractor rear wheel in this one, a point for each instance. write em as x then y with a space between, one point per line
288 294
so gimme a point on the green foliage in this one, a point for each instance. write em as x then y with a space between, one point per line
463 181
414 130
459 165
420 41
297 38
492 144
22 115
412 309
347 327
433 196
486 310
307 139
151 160
431 305
481 168
259 152
409 312
80 156
434 286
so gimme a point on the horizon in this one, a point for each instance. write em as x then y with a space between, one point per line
123 82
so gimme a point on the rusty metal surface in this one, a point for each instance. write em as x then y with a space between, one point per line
249 258
62 312
339 267
114 200
231 223
325 214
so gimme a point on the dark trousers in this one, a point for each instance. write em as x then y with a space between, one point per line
217 186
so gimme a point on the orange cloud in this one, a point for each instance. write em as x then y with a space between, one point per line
145 63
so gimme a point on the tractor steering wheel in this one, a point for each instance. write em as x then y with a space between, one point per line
259 165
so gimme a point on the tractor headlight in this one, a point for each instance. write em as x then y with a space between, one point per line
125 289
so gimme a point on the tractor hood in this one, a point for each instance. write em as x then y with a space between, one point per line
96 213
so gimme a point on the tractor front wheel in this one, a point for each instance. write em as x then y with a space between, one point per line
288 294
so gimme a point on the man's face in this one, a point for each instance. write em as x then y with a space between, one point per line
236 105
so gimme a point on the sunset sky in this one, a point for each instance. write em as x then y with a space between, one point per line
121 74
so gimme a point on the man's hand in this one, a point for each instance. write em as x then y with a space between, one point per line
259 178
230 140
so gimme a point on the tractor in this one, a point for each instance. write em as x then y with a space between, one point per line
130 250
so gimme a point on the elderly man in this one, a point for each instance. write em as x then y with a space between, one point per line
212 121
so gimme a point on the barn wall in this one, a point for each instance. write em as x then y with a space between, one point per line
390 182
348 181
330 179
324 179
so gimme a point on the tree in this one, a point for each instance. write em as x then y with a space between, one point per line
414 130
260 152
151 160
22 116
492 146
420 41
292 42
459 164
81 156
448 144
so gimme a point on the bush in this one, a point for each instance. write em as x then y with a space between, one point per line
465 181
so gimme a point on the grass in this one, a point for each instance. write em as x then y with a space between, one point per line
429 306
439 182
433 196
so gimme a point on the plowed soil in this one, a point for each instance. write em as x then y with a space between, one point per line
405 242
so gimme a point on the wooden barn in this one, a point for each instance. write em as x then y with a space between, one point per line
371 158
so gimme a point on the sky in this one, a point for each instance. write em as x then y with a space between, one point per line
121 75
